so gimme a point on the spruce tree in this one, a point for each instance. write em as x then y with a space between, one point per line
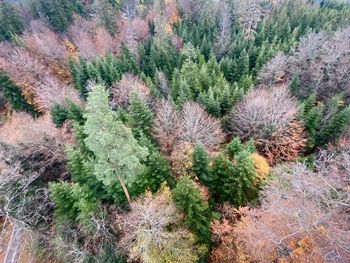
59 13
59 114
12 94
243 190
140 117
200 164
10 22
118 155
197 214
243 63
107 14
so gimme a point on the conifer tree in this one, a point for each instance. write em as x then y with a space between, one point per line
243 190
156 172
10 22
197 214
118 155
222 179
59 13
59 114
200 164
106 13
12 94
243 63
140 117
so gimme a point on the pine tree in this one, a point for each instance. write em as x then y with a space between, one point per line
200 164
140 117
10 22
12 93
118 156
197 214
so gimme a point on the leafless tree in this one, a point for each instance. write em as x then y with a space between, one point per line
44 41
262 111
274 71
153 231
122 89
165 125
248 13
304 214
40 86
192 8
162 83
223 39
197 127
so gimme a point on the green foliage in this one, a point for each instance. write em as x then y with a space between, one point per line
233 181
72 202
235 147
59 13
324 123
70 111
203 82
140 117
197 214
10 22
154 56
59 114
105 70
12 93
117 153
200 164
107 14
157 171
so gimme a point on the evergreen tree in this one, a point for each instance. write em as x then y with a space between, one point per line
243 190
12 93
10 22
156 172
243 63
197 214
107 15
117 153
222 179
200 164
59 13
140 116
59 114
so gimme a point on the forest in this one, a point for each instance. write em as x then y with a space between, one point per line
174 131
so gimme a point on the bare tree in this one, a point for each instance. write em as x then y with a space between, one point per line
153 231
122 89
303 215
248 13
197 127
223 39
162 84
262 111
274 71
165 125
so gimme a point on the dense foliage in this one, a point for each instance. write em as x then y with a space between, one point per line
176 130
